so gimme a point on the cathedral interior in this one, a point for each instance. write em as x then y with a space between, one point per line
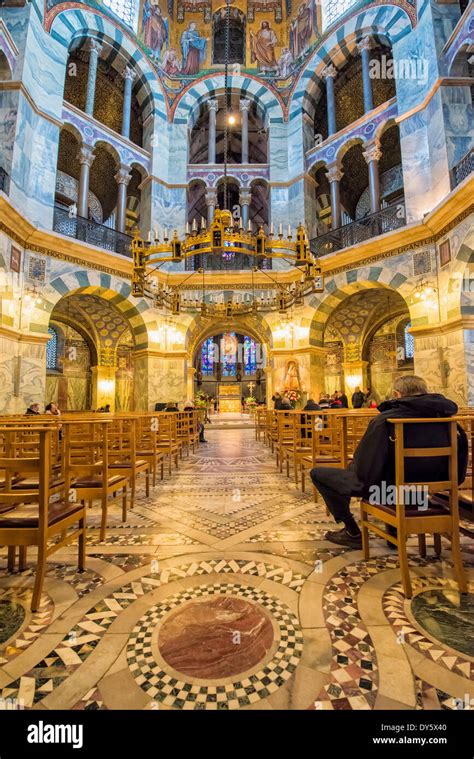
213 205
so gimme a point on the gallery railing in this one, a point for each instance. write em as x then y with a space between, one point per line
91 232
226 262
387 219
463 168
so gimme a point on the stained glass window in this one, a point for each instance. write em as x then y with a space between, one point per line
127 10
250 355
229 354
52 349
409 343
332 9
207 357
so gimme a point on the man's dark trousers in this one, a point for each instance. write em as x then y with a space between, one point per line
336 487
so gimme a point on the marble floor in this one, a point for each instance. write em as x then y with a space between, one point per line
220 592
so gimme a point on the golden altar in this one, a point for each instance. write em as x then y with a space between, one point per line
229 398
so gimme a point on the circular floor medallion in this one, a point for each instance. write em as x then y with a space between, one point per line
447 616
12 616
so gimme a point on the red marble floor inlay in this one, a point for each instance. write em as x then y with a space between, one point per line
216 637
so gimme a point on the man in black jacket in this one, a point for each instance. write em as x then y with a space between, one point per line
374 462
358 398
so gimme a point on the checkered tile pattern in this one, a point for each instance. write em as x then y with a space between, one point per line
179 694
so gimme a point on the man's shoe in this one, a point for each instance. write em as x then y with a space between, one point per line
201 440
343 538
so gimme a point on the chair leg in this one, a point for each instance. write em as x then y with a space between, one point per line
147 482
81 559
457 560
403 558
437 543
39 580
124 503
22 559
365 534
103 522
422 545
11 558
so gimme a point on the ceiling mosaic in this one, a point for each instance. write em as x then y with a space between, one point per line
351 321
101 321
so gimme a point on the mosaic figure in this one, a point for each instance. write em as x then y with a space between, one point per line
193 47
262 44
154 28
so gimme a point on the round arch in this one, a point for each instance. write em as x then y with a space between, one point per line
202 328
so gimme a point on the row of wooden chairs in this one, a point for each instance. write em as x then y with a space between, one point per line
302 441
52 468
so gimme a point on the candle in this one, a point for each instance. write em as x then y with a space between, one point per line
187 227
194 225
249 226
289 230
149 236
271 229
280 230
165 233
203 222
157 237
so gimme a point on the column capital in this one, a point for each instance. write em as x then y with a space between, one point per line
244 104
93 46
129 73
122 176
330 72
211 196
213 105
372 151
86 155
334 173
364 44
245 196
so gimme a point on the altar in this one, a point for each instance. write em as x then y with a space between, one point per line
229 398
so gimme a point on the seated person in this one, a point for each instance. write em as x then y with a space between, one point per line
171 406
374 461
33 408
52 408
189 406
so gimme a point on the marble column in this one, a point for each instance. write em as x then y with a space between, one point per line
329 74
94 48
364 47
86 158
245 198
122 177
372 155
213 106
244 109
211 203
128 75
334 175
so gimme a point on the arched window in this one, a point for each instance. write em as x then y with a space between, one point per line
127 10
207 357
332 9
52 349
229 354
250 355
409 343
236 36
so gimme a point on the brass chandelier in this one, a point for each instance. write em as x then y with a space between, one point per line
224 238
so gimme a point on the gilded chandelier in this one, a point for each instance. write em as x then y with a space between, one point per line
223 238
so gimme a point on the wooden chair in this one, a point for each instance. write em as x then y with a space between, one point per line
436 519
123 457
147 443
37 516
284 448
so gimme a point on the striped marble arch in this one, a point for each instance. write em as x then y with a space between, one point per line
386 24
71 27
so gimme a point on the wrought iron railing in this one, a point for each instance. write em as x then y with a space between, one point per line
387 219
91 232
463 168
4 181
226 262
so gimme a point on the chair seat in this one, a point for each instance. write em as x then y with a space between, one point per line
96 482
57 511
30 483
127 464
432 511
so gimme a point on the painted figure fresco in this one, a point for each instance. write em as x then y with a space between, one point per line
285 63
154 28
262 44
171 64
193 47
292 380
301 29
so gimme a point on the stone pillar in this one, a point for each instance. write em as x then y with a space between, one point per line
211 203
122 177
329 74
86 158
244 109
334 175
213 106
94 48
372 155
363 47
103 386
190 382
128 75
245 198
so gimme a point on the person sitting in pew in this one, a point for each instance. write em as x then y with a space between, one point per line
374 461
